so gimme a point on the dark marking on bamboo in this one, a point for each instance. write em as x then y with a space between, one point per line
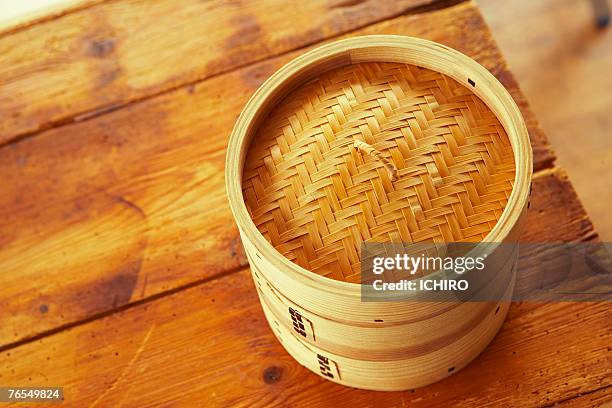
324 366
298 323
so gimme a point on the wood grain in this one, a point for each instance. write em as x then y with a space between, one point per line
210 345
115 52
158 166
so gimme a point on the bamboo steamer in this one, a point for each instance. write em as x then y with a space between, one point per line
413 371
438 144
380 341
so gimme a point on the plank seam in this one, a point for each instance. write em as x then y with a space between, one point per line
127 306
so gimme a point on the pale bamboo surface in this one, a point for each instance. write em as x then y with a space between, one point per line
384 339
438 166
412 371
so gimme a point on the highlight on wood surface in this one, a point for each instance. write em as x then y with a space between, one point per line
378 138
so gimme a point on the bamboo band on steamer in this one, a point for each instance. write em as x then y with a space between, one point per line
291 293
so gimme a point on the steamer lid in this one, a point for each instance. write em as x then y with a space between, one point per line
375 152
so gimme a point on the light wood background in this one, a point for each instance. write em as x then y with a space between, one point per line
564 65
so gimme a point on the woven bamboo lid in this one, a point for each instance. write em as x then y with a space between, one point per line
375 152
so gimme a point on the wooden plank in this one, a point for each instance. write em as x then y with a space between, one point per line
120 51
105 212
210 344
552 190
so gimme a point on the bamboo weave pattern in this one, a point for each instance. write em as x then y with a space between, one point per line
316 197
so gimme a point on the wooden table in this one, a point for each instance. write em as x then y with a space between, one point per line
122 274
